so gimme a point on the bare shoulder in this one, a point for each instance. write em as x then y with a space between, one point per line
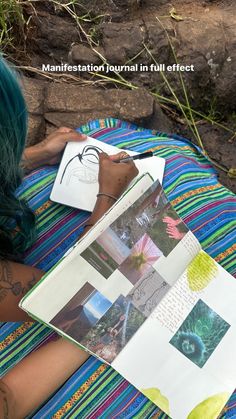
16 280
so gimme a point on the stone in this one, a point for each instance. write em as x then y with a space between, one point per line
159 121
122 41
64 97
226 84
131 105
36 129
72 120
212 53
55 36
34 91
111 6
83 54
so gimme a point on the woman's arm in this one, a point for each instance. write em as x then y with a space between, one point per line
7 404
37 376
113 180
44 370
17 279
49 151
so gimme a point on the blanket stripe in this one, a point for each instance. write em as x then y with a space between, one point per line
209 210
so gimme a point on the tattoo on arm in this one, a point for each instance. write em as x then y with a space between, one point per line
5 408
10 285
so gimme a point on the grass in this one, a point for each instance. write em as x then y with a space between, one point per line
92 36
12 23
12 20
189 114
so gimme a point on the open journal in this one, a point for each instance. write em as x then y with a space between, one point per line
76 183
138 292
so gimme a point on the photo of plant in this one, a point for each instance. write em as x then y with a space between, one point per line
101 260
150 208
168 230
127 228
114 329
82 312
132 225
200 333
148 292
142 256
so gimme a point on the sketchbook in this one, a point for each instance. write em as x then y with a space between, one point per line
76 183
138 292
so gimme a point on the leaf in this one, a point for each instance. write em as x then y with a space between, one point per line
174 15
232 173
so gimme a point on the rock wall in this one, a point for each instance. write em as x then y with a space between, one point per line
202 33
52 105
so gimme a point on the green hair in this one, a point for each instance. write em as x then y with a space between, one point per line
17 222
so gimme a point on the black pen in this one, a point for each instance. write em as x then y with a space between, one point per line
135 157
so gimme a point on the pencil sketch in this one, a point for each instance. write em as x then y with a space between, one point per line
148 292
87 168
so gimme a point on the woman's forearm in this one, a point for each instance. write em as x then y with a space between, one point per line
33 157
39 374
103 204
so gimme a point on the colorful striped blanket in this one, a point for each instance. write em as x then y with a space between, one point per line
209 210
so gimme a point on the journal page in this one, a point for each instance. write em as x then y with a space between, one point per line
183 357
118 274
78 171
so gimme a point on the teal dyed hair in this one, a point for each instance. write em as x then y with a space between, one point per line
14 213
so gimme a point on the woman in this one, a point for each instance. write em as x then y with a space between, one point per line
51 365
191 184
16 278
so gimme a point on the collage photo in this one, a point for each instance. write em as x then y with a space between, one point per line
145 232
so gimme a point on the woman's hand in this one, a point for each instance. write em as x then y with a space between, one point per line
114 177
49 151
171 221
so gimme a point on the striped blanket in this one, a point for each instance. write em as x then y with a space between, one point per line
190 182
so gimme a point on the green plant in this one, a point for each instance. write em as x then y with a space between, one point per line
87 17
212 113
11 22
180 109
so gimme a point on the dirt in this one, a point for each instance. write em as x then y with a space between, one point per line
201 33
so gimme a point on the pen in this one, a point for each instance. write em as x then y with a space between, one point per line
136 157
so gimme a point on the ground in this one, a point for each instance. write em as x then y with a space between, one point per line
118 32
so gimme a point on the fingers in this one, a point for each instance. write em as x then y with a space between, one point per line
65 129
103 156
118 156
122 155
65 134
71 136
58 131
129 165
